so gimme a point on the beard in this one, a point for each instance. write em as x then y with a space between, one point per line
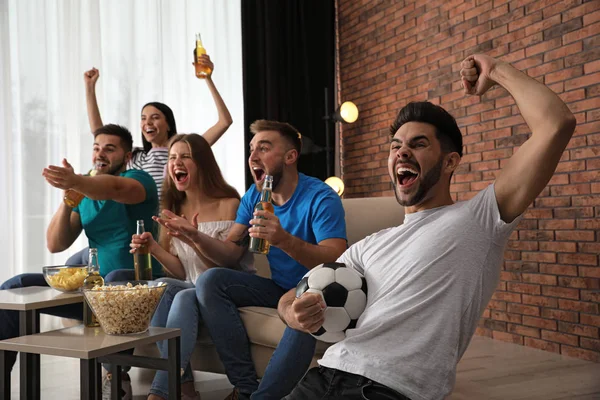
429 180
114 169
277 174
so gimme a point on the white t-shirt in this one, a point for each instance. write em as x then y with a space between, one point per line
428 281
193 264
154 162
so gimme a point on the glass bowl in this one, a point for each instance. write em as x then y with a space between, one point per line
66 278
125 309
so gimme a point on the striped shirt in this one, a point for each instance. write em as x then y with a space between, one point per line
153 162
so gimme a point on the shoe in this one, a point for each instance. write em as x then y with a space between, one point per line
125 387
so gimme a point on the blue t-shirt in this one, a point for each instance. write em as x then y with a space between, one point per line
313 213
109 225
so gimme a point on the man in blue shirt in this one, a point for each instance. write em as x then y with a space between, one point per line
115 200
306 229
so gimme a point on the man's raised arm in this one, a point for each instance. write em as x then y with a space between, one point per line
551 122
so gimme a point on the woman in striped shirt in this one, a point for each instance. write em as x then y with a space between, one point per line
157 125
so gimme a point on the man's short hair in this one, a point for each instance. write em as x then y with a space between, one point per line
117 130
446 128
290 134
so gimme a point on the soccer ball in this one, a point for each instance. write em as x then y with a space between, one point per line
344 291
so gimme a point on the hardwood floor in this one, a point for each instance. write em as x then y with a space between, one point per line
490 370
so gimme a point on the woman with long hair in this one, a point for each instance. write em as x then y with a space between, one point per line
194 189
157 124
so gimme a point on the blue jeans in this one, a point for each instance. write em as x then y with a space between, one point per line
9 327
81 257
220 292
178 308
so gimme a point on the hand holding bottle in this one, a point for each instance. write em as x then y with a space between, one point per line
138 241
203 70
204 64
266 225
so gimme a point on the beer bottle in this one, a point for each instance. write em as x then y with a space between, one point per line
92 279
142 259
266 203
201 71
72 197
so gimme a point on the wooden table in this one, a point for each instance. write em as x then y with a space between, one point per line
28 302
93 347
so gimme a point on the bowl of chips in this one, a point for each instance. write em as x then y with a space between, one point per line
125 309
66 278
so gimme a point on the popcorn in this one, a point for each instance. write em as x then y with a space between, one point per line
123 309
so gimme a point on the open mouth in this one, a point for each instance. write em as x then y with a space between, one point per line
181 176
259 173
100 165
150 131
406 176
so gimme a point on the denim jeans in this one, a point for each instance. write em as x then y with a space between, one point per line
9 327
81 257
178 308
220 292
332 384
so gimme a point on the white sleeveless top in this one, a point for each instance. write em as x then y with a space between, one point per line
194 265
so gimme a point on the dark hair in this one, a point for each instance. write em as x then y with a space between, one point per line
446 129
168 113
117 130
289 133
210 179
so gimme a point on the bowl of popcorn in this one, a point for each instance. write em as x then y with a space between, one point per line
66 278
125 309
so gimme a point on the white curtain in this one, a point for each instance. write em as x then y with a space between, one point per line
143 50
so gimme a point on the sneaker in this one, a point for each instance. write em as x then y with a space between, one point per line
125 387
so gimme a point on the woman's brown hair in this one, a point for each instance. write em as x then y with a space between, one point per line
210 180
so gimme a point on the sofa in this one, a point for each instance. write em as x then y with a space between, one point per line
364 216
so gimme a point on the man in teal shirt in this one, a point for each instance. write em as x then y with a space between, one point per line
115 199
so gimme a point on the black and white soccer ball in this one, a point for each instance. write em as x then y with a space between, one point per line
344 291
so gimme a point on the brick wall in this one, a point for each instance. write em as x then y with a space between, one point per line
392 52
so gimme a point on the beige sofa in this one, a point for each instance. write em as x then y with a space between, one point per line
363 217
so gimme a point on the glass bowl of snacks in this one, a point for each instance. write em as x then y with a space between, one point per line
125 309
66 278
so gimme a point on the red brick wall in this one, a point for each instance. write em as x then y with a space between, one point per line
392 52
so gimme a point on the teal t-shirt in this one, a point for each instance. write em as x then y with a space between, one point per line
313 213
109 225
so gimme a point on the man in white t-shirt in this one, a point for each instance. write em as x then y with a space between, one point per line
430 278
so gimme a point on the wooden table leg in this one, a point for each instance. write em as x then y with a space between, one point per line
4 376
174 368
98 382
115 383
87 379
29 387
